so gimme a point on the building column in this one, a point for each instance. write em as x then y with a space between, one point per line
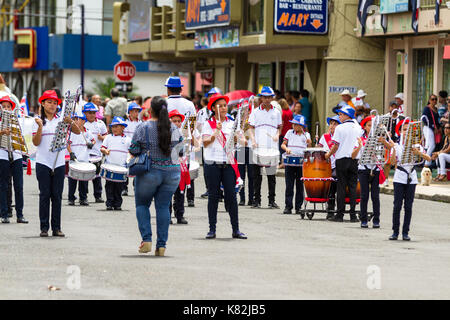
438 66
390 74
408 77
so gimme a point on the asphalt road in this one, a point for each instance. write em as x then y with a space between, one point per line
284 258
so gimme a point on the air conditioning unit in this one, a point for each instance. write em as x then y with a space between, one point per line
400 62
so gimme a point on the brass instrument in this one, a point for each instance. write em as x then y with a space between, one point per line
413 138
14 142
245 113
374 151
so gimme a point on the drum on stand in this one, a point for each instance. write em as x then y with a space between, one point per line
316 173
266 157
115 173
82 171
194 168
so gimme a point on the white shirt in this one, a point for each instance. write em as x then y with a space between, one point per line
118 145
216 150
400 176
346 136
202 116
360 153
4 155
323 143
43 154
184 106
131 128
79 147
266 125
96 128
297 142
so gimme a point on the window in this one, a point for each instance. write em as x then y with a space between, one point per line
254 16
107 16
422 80
292 75
264 75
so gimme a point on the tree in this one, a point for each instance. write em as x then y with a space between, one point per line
103 88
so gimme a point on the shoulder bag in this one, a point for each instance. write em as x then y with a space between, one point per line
141 164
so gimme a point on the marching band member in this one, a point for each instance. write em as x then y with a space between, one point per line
265 129
369 176
405 181
326 142
217 166
10 166
245 165
50 166
98 130
115 147
295 142
345 139
79 146
175 100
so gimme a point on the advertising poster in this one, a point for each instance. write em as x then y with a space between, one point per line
205 14
301 16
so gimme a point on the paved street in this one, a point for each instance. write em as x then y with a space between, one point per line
284 258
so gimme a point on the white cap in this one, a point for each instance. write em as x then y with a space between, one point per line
399 95
361 93
345 93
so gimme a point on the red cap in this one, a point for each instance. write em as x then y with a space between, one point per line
216 97
8 99
365 120
399 126
175 113
49 94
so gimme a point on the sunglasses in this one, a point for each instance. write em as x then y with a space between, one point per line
433 99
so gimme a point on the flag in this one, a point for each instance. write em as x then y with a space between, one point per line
363 5
24 108
415 5
436 14
384 22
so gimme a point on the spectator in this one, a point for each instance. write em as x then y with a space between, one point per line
289 100
116 107
278 95
443 156
305 107
295 97
399 101
286 116
431 127
442 103
146 109
297 110
446 117
98 102
138 100
346 100
362 107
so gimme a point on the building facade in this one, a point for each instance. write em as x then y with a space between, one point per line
251 43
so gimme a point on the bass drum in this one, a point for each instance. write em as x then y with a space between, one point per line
358 193
315 166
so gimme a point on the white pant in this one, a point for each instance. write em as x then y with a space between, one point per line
429 142
442 161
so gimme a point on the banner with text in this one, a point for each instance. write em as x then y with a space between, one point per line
207 13
301 16
217 38
393 6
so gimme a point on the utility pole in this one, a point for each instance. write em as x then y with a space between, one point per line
82 47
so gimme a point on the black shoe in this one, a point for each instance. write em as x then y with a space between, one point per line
337 218
376 225
394 236
287 211
44 234
353 218
171 222
71 202
211 235
298 211
405 237
256 205
182 221
109 208
273 205
242 203
239 235
117 209
22 220
5 220
58 234
330 216
84 203
364 225
204 196
10 215
250 203
191 203
99 200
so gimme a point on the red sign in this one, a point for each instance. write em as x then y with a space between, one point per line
124 71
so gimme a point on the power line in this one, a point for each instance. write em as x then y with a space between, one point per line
52 16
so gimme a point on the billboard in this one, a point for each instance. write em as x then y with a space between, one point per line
206 14
217 38
301 16
139 20
393 6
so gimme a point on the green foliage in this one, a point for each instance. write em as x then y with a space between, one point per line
103 88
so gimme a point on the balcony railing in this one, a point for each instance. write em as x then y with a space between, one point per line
424 4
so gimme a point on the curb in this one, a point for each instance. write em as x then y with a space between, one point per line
436 197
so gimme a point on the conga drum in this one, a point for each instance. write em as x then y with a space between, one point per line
316 174
358 194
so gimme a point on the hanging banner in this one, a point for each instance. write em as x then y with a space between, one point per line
393 6
206 14
217 38
301 16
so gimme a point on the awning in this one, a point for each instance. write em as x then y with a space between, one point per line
446 52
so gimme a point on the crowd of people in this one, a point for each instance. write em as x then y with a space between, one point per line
155 135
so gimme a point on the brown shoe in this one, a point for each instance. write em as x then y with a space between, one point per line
58 234
159 252
44 234
145 247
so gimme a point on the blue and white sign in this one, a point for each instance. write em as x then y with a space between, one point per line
207 13
301 16
393 6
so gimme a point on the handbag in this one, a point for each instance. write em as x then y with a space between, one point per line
437 132
140 164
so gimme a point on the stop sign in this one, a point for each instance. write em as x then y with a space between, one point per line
124 71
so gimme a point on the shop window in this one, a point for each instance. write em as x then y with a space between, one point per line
400 82
254 16
422 80
446 76
292 76
264 75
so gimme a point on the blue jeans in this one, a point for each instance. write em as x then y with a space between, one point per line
14 170
159 185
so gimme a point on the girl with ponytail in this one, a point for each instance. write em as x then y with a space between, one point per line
157 137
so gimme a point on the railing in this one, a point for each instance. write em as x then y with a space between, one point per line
424 4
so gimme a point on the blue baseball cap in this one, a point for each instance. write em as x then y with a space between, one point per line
134 106
347 110
213 91
299 119
90 107
81 116
118 121
173 82
266 92
335 118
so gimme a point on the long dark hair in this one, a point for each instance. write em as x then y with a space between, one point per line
159 111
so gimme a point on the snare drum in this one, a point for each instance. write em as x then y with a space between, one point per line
194 168
266 157
317 173
111 172
292 160
81 171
